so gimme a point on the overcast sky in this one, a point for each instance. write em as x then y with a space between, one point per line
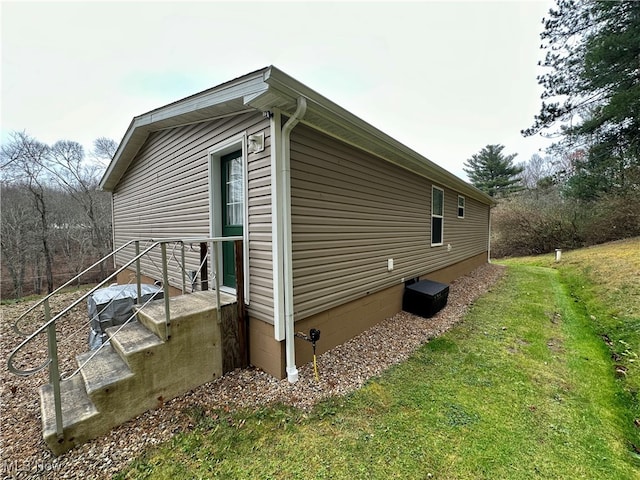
444 78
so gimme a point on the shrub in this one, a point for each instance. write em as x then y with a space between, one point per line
532 224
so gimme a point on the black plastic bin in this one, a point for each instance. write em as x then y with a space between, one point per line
425 298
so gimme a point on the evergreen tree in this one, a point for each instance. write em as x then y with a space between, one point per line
592 89
494 173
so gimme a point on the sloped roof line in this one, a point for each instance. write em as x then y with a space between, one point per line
371 139
268 88
220 100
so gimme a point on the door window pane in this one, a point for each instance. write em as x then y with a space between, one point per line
234 193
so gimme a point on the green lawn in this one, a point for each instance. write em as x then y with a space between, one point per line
524 388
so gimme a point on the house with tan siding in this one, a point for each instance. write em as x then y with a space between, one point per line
336 215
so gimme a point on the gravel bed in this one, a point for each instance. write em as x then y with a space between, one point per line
342 370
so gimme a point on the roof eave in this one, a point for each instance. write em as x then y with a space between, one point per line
270 88
332 119
222 100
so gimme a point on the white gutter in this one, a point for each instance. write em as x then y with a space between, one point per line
285 182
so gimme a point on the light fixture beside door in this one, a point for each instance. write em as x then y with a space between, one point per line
255 143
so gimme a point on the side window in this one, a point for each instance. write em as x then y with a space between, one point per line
460 206
437 215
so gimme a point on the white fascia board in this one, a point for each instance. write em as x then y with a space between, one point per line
386 147
390 150
271 88
133 139
140 127
204 100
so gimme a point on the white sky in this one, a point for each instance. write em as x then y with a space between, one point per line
444 78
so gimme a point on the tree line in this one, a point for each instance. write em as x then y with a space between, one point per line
586 190
539 209
55 220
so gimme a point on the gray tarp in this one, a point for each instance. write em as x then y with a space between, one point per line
112 306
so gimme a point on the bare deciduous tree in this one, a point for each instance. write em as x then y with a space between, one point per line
104 150
17 223
23 160
79 179
52 208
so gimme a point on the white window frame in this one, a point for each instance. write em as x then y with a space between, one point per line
441 216
463 207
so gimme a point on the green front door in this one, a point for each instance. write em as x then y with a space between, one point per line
232 211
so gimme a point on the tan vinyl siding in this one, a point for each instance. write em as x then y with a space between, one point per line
352 211
165 194
259 205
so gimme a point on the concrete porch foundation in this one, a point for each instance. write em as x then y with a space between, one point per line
138 370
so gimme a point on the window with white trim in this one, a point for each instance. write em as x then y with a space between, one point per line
437 215
460 206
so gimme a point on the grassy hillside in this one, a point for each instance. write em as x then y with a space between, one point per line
530 385
604 283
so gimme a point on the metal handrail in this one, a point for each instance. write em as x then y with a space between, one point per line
50 323
53 320
16 324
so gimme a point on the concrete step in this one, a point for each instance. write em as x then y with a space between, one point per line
139 371
153 316
104 370
77 410
133 340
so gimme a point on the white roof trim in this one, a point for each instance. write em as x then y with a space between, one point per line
270 88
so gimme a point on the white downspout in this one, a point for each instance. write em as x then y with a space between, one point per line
285 175
276 226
